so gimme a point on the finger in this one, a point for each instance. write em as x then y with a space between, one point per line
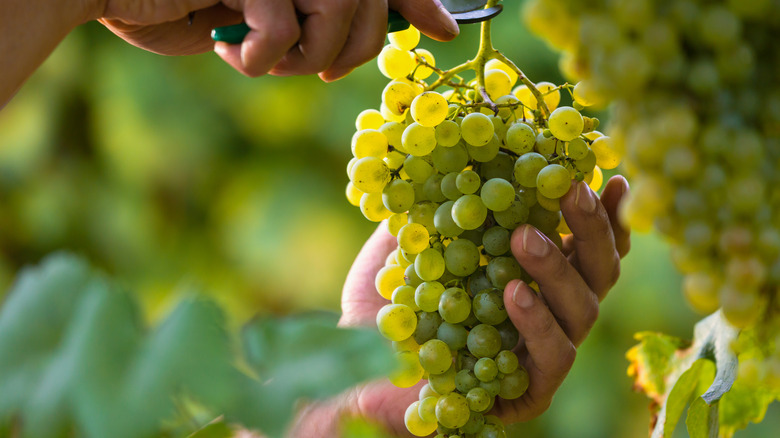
594 252
573 304
365 41
323 34
358 306
383 402
429 17
613 194
550 352
274 30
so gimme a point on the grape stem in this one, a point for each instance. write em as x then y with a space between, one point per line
485 53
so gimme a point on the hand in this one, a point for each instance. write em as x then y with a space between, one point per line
572 282
333 38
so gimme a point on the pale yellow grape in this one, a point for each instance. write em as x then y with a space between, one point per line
373 208
415 425
552 96
389 115
497 83
597 180
393 132
396 221
413 238
396 322
427 408
423 71
419 140
405 295
369 143
429 109
405 39
447 133
607 154
549 204
585 94
499 127
369 119
507 112
394 63
520 138
398 96
395 159
350 165
353 194
408 371
387 279
370 174
477 129
408 344
566 123
495 64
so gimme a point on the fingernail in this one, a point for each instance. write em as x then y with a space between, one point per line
584 198
522 296
534 243
449 23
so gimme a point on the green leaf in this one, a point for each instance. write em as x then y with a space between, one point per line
679 397
651 361
216 429
702 421
743 405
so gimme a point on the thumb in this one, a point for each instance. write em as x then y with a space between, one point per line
428 16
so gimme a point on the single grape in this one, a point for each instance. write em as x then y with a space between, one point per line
454 305
408 370
478 399
406 39
370 174
395 63
497 194
461 257
404 294
443 221
418 169
454 335
369 119
506 361
477 129
514 384
429 109
465 381
496 240
469 212
429 265
415 425
484 341
427 408
428 294
514 216
566 123
447 133
435 356
443 383
553 181
520 138
413 238
450 159
485 369
527 167
452 410
418 140
485 153
467 182
398 196
387 279
427 326
396 322
373 208
489 307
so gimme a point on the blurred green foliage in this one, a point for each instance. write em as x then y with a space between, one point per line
178 171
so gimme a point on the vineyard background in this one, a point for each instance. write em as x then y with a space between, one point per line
171 171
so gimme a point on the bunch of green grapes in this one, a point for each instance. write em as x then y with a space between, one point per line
696 92
454 172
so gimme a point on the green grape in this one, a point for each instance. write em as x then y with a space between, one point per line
497 83
514 384
418 169
461 257
427 326
454 305
432 188
452 410
427 409
426 391
397 97
387 279
478 399
586 164
413 238
428 294
465 381
566 123
393 131
466 360
545 146
469 212
443 221
408 370
448 133
394 160
496 240
454 335
429 265
506 361
429 109
369 143
373 208
396 322
478 282
544 220
499 127
489 307
496 64
475 423
450 159
414 424
491 431
477 129
435 356
418 140
369 119
497 194
553 181
467 182
485 153
443 383
484 341
502 270
527 168
408 344
370 174
492 387
406 39
520 138
410 276
398 196
475 236
512 217
395 63
449 186
422 213
576 149
485 369
404 294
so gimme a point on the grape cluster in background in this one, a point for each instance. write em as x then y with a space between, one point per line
697 109
453 174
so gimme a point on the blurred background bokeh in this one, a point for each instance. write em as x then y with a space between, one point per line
179 171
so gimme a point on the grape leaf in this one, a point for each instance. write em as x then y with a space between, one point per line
702 420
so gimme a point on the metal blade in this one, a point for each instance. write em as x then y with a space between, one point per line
458 6
477 16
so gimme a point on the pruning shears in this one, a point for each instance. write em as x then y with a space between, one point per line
463 11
